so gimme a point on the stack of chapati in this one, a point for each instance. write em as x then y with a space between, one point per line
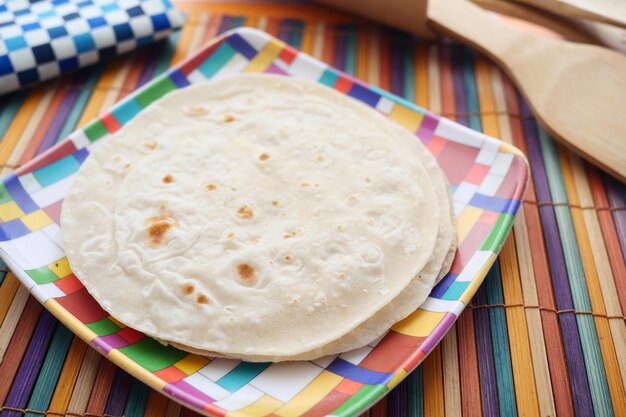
260 217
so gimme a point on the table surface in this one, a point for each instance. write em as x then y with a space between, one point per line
544 335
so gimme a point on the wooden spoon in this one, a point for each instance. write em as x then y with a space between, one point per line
563 26
609 35
569 28
607 11
577 91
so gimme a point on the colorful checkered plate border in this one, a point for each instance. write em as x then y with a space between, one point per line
488 180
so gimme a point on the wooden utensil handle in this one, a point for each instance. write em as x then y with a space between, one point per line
468 22
507 45
564 26
557 78
408 15
606 11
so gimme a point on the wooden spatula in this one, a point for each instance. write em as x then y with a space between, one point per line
563 26
572 29
607 11
577 91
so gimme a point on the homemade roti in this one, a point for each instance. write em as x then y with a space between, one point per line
254 216
412 296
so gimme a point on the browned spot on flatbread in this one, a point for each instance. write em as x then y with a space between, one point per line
150 145
196 110
246 273
202 299
168 178
245 212
188 289
157 228
275 203
264 157
229 118
288 258
211 187
295 233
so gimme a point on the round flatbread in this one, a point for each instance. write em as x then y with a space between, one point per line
418 289
254 215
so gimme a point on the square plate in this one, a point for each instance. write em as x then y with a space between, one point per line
488 180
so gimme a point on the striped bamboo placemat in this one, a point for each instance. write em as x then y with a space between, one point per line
544 335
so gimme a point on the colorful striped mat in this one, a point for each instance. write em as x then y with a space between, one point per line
545 334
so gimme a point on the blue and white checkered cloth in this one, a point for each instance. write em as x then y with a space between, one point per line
40 40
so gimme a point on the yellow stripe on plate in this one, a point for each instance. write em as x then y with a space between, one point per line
399 376
419 324
191 363
466 221
36 220
506 148
310 395
9 211
264 58
260 407
471 289
406 117
61 268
